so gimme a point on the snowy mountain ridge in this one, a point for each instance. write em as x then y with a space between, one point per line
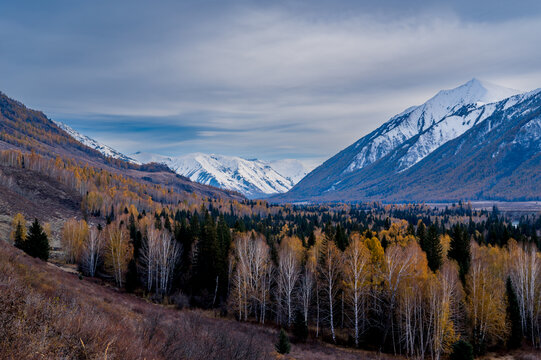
94 144
405 158
253 178
431 121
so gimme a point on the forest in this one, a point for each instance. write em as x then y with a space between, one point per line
401 279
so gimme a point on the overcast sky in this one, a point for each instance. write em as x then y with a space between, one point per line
265 79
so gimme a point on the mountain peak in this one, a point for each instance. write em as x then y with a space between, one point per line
473 92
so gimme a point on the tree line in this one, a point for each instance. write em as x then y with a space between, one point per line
404 289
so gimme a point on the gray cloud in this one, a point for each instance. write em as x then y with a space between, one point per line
267 81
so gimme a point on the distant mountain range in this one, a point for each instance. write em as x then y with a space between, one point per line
477 141
253 178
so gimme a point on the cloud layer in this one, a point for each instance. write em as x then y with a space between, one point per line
265 81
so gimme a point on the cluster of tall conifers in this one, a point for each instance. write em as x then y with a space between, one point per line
34 241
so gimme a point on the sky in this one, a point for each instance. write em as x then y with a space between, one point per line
267 79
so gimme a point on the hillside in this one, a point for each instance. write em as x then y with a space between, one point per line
434 153
29 130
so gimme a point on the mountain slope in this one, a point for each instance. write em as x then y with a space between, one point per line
94 144
253 178
368 170
29 130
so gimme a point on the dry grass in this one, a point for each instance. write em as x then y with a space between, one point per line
48 313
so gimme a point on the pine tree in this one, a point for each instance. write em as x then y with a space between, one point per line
462 350
207 256
37 244
311 239
283 346
513 314
421 233
460 250
19 237
300 329
432 247
132 279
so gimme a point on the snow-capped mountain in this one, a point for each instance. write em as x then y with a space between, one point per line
432 121
253 178
91 143
386 158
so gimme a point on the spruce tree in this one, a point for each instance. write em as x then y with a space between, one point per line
37 244
432 247
311 239
460 250
513 314
300 329
421 233
283 346
462 350
132 278
19 238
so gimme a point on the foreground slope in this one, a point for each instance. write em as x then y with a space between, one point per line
412 168
48 313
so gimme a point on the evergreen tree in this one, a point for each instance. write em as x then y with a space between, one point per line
207 257
300 329
311 239
513 314
462 350
421 233
432 247
460 250
341 238
283 346
224 244
132 279
37 244
19 237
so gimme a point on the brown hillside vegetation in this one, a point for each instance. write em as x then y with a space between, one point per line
29 130
48 313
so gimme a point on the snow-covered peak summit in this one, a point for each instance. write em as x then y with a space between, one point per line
473 92
415 120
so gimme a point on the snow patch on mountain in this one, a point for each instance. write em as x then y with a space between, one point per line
253 178
94 144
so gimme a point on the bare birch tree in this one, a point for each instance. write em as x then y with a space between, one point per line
356 277
92 253
288 272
